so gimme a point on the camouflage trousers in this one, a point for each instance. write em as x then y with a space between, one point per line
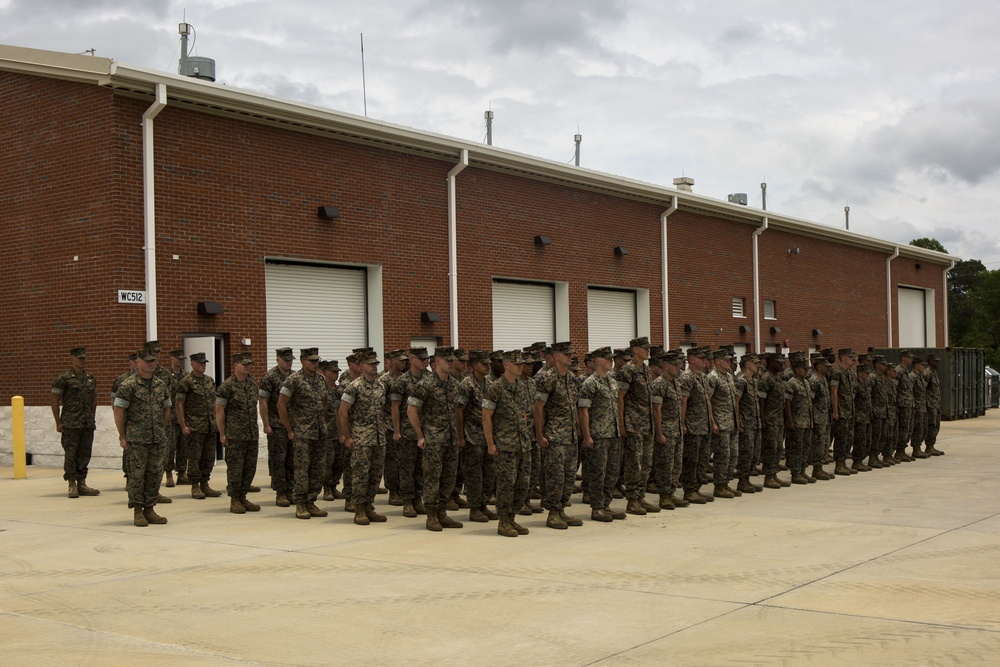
411 469
336 454
440 471
815 447
559 463
280 462
877 443
175 458
904 428
749 455
309 461
770 445
843 434
795 447
241 466
367 465
143 471
513 476
862 441
919 430
891 430
724 444
78 445
667 461
933 427
480 473
600 472
638 460
201 456
536 466
691 461
391 468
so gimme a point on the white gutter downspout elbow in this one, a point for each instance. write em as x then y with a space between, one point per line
149 207
888 292
663 270
947 322
453 248
756 285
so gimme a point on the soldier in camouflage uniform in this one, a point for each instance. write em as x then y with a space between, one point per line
176 456
556 432
236 418
819 385
335 452
771 392
904 406
480 468
532 356
431 411
862 416
798 417
880 404
635 412
411 476
933 404
280 463
724 422
668 444
395 366
696 419
142 412
76 390
507 427
892 417
602 443
361 419
749 410
132 365
302 408
842 382
195 402
919 383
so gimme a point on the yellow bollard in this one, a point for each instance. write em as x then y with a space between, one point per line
17 429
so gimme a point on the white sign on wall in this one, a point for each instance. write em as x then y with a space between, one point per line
131 296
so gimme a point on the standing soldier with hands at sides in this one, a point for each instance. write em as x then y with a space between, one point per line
302 408
236 417
279 452
76 390
195 401
361 421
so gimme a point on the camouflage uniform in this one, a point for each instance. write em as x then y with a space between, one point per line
176 453
559 460
307 413
933 382
435 400
144 402
280 463
892 416
722 393
880 405
694 387
512 427
904 408
797 392
667 458
366 424
816 446
919 410
750 436
771 392
198 396
239 399
410 457
843 428
78 394
480 468
391 468
862 419
114 393
336 453
636 381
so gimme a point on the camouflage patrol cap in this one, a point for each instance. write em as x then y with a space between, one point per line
369 356
905 353
285 353
845 352
890 369
177 354
864 358
133 356
799 362
479 357
514 357
699 352
398 355
461 354
244 358
329 366
602 353
827 351
720 354
820 360
588 357
309 353
352 358
864 368
146 354
933 357
749 358
419 353
879 359
359 350
641 341
623 353
656 351
445 352
563 348
919 360
153 345
496 355
538 345
199 357
671 357
78 352
529 356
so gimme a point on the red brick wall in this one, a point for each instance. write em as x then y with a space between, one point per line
230 193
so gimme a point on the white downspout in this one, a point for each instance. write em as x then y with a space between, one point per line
453 249
756 286
663 270
888 292
947 338
149 207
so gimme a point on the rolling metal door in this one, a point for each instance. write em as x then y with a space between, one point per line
611 317
523 313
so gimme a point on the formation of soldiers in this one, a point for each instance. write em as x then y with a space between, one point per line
507 426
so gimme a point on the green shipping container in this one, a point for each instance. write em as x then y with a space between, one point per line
963 378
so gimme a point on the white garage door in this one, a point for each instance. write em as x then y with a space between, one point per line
912 318
523 313
315 306
611 318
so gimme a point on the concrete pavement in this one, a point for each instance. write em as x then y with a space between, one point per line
890 567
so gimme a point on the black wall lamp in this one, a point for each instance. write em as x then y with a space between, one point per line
690 328
775 330
621 250
744 329
328 213
210 308
817 332
542 240
429 316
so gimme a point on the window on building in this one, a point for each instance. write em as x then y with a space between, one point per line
738 307
770 310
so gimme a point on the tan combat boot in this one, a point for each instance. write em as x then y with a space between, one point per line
841 468
315 511
433 524
521 530
236 507
249 506
505 529
555 521
666 502
74 491
209 491
722 491
572 520
819 473
153 517
490 514
408 510
745 486
476 514
170 479
197 493
361 517
84 490
160 498
649 507
418 505
281 499
446 521
182 478
635 507
374 516
139 518
301 512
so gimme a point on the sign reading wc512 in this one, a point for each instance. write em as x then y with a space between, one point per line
131 296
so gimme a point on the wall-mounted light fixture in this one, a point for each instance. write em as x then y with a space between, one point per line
793 251
621 250
328 213
210 308
542 240
690 328
817 332
744 329
429 316
919 266
775 330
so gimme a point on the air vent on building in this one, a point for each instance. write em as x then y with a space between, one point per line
193 66
738 198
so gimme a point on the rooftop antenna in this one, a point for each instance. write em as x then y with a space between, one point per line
488 115
92 51
847 217
364 84
763 195
193 66
577 138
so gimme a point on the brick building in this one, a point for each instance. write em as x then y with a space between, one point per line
277 223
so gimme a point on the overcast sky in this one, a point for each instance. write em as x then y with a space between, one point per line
891 107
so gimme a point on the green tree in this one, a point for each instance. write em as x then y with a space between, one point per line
964 281
929 244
